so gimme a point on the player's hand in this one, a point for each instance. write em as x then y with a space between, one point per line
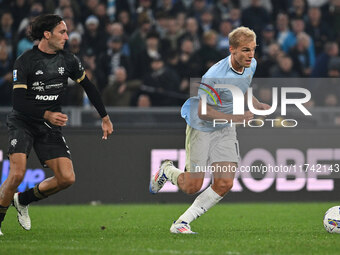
56 118
248 115
107 127
263 106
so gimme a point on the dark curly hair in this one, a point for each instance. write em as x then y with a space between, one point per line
42 23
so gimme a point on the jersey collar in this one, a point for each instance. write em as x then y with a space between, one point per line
35 47
231 67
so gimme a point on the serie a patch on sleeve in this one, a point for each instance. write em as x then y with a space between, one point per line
15 76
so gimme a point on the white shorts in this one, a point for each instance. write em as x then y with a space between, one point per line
205 148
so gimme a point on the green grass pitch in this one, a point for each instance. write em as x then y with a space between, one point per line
234 228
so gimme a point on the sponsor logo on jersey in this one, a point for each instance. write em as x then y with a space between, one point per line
61 70
54 86
39 72
47 97
39 88
15 76
38 85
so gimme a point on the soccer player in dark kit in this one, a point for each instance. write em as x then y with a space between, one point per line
39 81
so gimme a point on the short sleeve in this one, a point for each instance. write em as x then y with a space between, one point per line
77 72
205 89
19 74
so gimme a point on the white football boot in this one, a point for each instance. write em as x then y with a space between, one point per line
181 228
23 217
1 234
159 179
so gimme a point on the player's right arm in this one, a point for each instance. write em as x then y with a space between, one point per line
214 114
20 101
20 81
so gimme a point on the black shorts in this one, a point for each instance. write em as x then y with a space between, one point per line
47 140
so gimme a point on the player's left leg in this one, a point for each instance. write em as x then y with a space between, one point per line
188 182
10 185
223 182
53 152
63 178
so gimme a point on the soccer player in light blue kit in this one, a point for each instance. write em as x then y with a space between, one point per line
208 144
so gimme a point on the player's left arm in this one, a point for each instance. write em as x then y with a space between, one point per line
78 74
256 103
95 99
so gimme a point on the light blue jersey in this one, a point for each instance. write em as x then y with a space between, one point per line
220 73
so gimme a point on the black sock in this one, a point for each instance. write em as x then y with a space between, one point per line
3 210
31 195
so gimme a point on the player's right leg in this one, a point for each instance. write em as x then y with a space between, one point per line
189 183
20 142
23 216
201 148
223 182
9 187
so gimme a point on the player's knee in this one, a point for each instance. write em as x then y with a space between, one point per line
17 172
17 178
193 188
66 181
223 186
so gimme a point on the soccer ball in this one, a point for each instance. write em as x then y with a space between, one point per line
331 220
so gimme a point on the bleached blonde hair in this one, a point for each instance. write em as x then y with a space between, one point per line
241 34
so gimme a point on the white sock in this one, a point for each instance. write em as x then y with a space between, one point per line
172 173
202 203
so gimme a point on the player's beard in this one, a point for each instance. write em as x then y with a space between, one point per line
61 45
57 46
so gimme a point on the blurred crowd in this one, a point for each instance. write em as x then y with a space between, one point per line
143 52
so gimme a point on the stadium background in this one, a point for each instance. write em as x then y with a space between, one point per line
141 56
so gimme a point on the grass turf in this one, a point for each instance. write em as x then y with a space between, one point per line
258 228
